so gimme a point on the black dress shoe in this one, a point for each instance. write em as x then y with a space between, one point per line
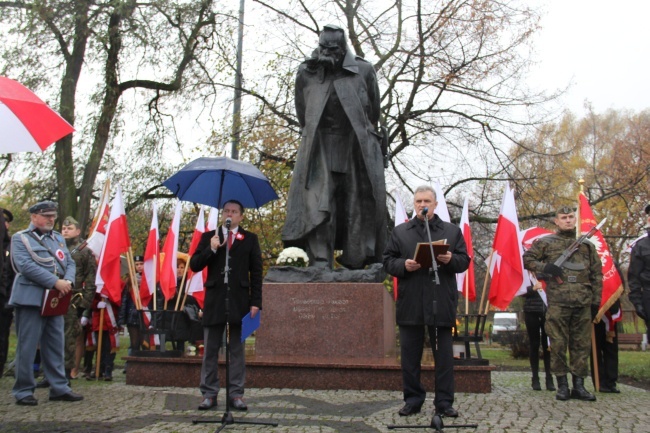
27 401
68 396
238 403
207 403
43 383
448 412
409 409
610 389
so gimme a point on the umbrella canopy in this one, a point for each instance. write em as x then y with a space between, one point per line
26 122
214 181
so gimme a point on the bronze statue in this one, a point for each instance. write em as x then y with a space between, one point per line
337 199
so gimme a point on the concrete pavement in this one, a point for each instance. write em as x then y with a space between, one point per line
512 407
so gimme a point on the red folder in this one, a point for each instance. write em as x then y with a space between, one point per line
55 303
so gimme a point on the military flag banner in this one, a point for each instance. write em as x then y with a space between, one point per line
612 283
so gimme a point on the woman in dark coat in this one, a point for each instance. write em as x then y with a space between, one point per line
534 317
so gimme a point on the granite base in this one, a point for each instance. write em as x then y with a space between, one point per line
303 373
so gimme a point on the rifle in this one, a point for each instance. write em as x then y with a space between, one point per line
562 260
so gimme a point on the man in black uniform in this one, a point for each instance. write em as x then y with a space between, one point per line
417 292
638 275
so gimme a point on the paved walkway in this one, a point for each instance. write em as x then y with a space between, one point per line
511 407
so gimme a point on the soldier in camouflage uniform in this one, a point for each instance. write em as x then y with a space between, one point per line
574 292
83 293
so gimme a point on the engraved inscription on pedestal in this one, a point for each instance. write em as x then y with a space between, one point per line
354 320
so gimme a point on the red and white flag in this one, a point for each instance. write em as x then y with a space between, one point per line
507 266
213 219
150 274
400 218
468 291
169 271
612 284
441 208
196 281
108 280
97 232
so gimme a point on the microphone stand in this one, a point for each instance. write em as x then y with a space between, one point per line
436 421
227 417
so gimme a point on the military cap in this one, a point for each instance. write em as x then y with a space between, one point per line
47 208
9 217
647 209
564 210
69 221
138 258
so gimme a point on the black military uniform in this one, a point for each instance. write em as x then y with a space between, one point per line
638 276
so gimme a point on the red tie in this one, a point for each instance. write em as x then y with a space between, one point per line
229 239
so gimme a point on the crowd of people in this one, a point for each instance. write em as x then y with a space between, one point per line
39 258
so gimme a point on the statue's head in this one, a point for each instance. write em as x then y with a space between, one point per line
332 47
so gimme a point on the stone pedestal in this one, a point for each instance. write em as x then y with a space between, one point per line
326 320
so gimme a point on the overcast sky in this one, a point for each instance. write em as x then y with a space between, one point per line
601 47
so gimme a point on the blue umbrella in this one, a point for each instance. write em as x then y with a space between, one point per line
214 181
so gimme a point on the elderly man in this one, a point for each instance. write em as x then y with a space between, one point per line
42 262
417 293
573 291
337 198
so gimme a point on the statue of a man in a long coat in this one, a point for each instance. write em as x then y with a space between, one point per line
337 199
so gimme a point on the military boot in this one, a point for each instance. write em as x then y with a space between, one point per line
579 392
562 388
535 382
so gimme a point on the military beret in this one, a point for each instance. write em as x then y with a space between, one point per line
647 209
44 208
138 258
69 221
9 217
564 210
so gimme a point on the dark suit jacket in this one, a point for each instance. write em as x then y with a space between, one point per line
245 278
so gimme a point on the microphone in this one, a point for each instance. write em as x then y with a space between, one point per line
228 222
425 211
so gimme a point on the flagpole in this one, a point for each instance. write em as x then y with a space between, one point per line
99 340
182 288
487 274
466 284
134 281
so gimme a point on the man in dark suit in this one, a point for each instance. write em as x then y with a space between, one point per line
415 302
245 295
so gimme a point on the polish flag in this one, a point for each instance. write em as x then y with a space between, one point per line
150 274
612 284
400 218
196 281
469 291
213 219
168 272
507 266
97 232
108 279
441 208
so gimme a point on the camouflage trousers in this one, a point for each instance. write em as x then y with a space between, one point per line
72 329
569 328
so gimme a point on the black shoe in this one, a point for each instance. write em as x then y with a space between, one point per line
409 410
44 383
610 389
27 401
207 403
69 396
549 383
536 385
238 403
448 412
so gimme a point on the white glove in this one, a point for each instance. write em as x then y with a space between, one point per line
101 304
84 321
